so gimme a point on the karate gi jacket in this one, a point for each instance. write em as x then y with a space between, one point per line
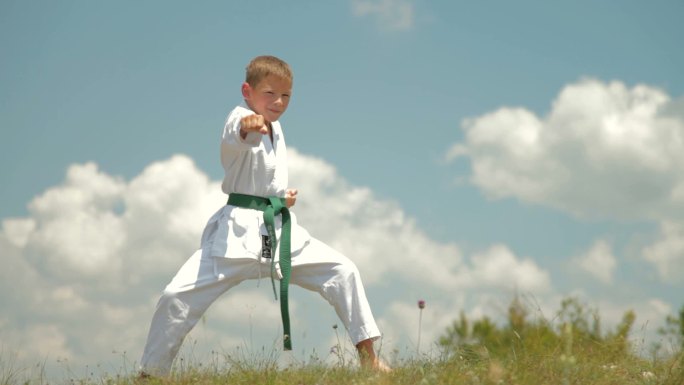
253 166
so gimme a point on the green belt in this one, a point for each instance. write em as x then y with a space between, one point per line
271 207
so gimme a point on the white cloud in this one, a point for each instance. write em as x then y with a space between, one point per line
79 298
17 230
393 15
604 150
84 269
95 251
499 267
667 253
599 261
411 326
650 315
374 233
76 245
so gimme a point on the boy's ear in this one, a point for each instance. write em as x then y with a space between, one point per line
246 90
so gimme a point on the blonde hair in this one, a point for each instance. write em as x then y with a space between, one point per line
262 66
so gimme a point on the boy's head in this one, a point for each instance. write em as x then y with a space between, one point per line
267 86
262 66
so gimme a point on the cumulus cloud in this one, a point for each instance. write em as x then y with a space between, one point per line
599 261
667 253
436 318
376 234
499 267
604 150
650 315
84 269
393 15
383 242
86 265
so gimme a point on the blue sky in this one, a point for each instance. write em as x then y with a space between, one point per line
542 139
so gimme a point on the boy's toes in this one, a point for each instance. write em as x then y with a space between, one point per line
381 366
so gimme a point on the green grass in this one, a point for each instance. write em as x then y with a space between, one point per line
571 348
531 363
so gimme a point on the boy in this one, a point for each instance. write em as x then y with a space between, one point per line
254 235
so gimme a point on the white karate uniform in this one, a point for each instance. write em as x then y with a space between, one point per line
231 252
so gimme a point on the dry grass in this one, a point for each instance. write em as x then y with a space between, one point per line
570 349
529 365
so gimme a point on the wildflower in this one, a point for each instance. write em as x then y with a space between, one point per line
648 375
421 306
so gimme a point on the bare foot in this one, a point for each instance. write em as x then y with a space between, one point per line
369 359
380 366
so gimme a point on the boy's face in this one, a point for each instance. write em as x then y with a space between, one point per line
269 98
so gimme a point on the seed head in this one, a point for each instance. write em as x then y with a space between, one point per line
421 304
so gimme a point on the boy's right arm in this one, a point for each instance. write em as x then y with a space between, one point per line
242 130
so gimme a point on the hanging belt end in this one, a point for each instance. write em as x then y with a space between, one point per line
287 342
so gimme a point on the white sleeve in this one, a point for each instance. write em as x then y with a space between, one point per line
231 131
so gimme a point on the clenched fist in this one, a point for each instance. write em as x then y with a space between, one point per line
290 197
253 123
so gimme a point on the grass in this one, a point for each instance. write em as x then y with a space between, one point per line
530 363
569 349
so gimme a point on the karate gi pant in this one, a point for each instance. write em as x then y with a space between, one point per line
200 281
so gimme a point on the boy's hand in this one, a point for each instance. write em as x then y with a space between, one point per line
253 123
290 197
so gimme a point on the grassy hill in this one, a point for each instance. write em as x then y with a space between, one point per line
570 349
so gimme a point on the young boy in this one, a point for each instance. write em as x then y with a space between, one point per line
254 235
